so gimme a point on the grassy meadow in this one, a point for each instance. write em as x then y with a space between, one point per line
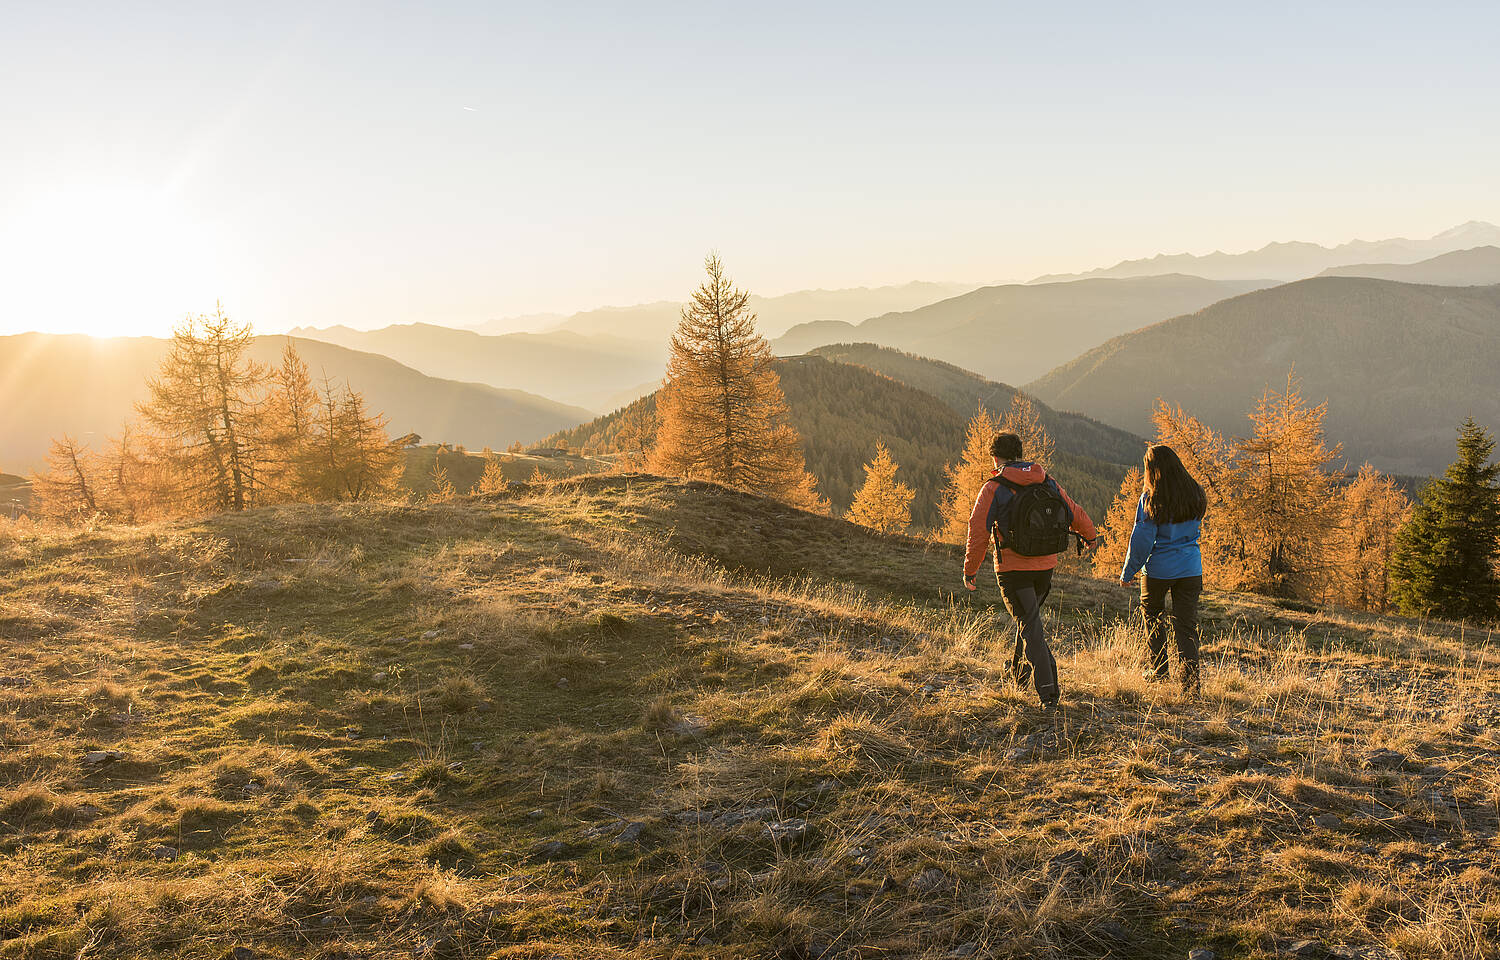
628 717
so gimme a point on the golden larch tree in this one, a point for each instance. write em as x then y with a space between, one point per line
493 479
1284 502
1023 420
721 413
203 405
1210 460
291 415
882 502
69 490
1372 508
966 477
1109 559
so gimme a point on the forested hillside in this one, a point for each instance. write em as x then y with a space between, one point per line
1016 332
1399 365
841 410
962 391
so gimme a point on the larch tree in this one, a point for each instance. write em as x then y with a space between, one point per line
493 479
1023 420
291 416
1119 521
966 477
135 487
371 465
1371 510
1444 560
203 405
721 413
882 502
69 490
1210 459
442 488
1284 497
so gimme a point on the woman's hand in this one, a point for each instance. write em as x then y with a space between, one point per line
1130 584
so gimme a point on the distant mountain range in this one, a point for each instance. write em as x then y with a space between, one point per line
1295 261
1017 332
87 387
842 404
1462 268
590 371
1399 364
776 315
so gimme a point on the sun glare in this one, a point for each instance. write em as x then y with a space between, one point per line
105 259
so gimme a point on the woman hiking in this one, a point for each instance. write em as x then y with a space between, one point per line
1165 543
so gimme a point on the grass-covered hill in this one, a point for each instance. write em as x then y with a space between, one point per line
841 409
1400 365
622 717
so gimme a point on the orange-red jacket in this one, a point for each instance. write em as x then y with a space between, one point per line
1022 474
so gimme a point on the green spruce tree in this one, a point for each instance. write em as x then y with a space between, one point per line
1444 560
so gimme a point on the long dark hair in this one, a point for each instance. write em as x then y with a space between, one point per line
1172 495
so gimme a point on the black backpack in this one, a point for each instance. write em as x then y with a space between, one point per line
1036 521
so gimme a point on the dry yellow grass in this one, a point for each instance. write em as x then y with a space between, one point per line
620 717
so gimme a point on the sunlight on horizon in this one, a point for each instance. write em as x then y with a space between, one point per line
108 259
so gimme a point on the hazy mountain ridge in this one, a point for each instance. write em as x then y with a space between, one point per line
574 368
1400 365
1013 333
114 372
655 321
1479 266
1294 260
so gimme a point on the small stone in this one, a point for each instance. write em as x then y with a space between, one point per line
788 831
483 706
631 833
430 634
1328 821
930 880
1113 930
466 646
562 683
163 852
765 621
549 850
964 950
536 815
1201 953
96 758
379 677
690 726
1307 948
242 953
327 921
1384 759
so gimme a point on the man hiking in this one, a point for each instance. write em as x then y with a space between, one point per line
1030 518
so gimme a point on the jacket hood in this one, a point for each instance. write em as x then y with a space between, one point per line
1021 473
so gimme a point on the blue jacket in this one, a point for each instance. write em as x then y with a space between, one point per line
1167 550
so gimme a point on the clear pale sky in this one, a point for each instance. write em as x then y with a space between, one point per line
363 163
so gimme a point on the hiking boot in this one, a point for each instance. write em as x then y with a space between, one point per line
1192 680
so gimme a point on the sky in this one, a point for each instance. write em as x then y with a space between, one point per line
314 163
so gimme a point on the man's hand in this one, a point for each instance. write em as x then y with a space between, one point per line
1130 584
1091 547
971 583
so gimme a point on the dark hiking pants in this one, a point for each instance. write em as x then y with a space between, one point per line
1024 591
1185 592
